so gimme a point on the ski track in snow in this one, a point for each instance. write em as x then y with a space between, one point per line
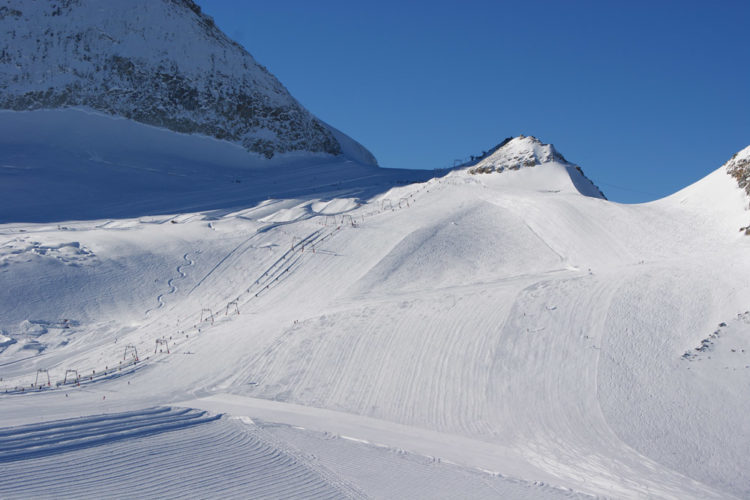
244 245
170 283
151 453
423 383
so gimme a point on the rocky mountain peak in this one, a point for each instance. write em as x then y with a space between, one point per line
522 152
516 153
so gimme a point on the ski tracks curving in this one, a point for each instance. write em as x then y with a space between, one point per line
172 287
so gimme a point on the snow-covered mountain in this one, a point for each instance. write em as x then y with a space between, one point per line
180 317
526 152
515 153
158 62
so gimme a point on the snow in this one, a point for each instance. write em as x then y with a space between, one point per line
521 152
68 164
365 332
157 445
246 306
156 62
520 155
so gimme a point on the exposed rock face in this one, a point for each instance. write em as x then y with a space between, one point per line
159 62
739 168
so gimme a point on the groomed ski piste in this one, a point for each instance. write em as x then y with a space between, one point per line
470 334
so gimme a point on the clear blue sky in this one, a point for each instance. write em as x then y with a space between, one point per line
647 97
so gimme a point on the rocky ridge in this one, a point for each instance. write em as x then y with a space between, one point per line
516 153
739 167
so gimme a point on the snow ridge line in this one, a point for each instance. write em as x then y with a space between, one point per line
29 428
74 430
75 435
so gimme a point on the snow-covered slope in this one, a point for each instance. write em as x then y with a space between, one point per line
58 165
239 303
716 200
543 342
158 62
522 153
76 450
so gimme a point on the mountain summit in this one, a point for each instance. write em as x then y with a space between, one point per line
523 152
158 62
517 152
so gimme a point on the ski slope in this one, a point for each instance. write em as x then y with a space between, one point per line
153 452
486 334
